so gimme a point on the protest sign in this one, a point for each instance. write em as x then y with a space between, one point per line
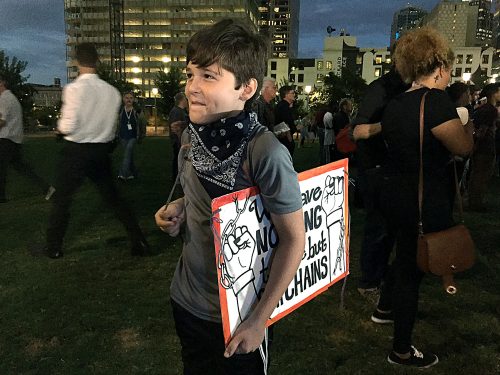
245 239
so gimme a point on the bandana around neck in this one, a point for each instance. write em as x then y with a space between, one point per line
217 150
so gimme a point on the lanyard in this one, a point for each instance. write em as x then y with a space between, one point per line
128 115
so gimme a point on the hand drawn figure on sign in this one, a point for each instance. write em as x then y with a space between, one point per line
236 261
332 202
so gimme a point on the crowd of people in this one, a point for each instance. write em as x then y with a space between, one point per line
228 115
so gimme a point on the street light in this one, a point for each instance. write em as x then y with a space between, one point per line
466 77
154 91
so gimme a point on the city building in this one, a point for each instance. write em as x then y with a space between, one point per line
137 38
464 23
279 22
456 20
405 19
478 61
484 25
370 63
47 95
496 25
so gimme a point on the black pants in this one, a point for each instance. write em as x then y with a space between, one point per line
377 241
78 161
11 154
400 287
203 348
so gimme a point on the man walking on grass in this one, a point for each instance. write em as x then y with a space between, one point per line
88 125
11 137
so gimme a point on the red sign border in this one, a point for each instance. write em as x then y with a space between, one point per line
252 191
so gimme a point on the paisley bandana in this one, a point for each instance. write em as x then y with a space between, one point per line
217 150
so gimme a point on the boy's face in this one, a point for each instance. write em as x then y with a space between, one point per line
211 93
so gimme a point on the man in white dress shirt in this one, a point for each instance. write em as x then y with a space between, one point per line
88 126
11 138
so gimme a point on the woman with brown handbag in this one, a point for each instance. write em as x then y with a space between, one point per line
424 58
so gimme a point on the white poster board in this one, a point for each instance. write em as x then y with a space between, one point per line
245 239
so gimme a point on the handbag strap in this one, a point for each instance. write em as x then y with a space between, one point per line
421 174
421 171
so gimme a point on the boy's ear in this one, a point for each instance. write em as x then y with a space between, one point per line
249 89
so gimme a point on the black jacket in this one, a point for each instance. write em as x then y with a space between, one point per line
372 152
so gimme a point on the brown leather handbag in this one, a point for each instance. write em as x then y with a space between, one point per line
446 252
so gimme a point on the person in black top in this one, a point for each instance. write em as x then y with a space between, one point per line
284 113
131 130
263 105
377 243
483 157
341 119
423 57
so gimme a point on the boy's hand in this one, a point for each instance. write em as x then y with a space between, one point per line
246 339
170 218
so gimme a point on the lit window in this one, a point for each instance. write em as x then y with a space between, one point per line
378 72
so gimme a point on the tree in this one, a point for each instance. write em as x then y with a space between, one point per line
12 70
347 85
105 73
168 85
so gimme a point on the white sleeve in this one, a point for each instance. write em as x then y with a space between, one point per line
328 120
69 111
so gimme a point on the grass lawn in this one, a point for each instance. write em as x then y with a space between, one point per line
100 311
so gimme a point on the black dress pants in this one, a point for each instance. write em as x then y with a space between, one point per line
80 160
11 154
377 241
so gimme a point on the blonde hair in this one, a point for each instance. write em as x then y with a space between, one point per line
420 51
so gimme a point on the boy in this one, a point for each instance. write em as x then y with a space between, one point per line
224 65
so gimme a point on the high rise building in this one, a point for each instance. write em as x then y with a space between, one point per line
484 26
465 23
405 19
279 22
456 20
137 38
496 25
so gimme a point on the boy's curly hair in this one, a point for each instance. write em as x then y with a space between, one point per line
420 51
232 45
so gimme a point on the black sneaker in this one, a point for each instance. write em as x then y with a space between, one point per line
386 317
417 359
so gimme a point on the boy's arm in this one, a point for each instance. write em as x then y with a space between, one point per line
287 257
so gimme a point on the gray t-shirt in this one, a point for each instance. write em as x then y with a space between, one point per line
195 285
